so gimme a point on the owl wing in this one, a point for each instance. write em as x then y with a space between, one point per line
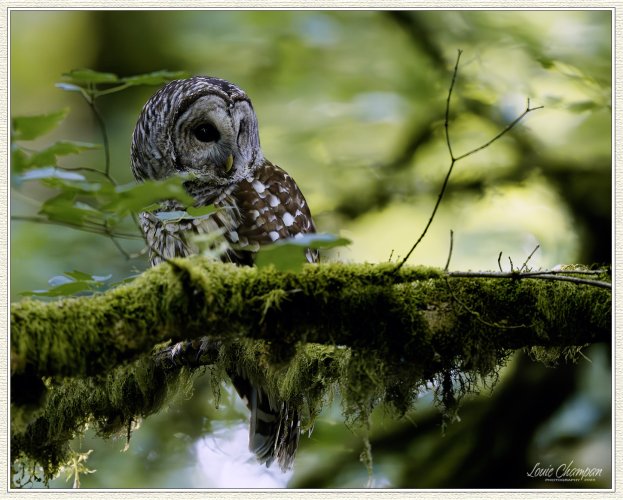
264 208
261 209
272 208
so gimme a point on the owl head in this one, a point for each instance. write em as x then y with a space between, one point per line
202 126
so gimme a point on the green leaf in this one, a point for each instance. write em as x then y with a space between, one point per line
59 280
132 198
155 78
27 128
48 155
188 214
69 87
50 172
282 257
100 279
70 288
174 215
81 77
126 280
71 283
82 276
78 275
201 211
64 208
289 254
317 240
19 159
75 187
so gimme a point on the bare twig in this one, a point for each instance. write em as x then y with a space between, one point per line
95 228
112 238
525 264
102 126
454 159
446 122
88 169
570 271
500 262
450 251
543 275
504 131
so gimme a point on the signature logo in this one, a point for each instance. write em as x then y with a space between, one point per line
565 472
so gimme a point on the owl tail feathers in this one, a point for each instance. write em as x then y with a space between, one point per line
274 426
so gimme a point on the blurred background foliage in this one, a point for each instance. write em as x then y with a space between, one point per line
351 103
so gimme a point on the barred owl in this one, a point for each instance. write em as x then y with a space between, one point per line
206 127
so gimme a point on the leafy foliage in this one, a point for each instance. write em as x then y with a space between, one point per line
90 200
85 198
289 254
94 84
27 128
71 283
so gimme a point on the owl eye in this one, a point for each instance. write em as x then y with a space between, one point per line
206 132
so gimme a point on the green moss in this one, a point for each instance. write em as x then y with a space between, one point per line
374 336
109 404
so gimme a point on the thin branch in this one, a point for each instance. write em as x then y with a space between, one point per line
450 251
140 230
112 90
446 123
102 126
112 238
500 262
562 271
503 132
455 159
88 169
93 228
525 264
26 199
518 275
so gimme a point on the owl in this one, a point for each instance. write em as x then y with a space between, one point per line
205 129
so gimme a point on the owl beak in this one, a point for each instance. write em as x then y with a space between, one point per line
229 163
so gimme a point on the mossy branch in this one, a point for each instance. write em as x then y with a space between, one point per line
418 312
288 330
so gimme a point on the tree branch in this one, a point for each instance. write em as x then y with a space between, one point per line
89 227
455 159
379 336
410 314
543 275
